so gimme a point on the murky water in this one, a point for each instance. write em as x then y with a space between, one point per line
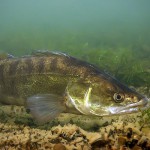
113 35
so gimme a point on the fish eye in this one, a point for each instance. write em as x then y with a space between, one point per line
118 97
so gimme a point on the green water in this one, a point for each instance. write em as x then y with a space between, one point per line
114 35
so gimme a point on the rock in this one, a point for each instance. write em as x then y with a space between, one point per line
146 131
129 133
121 140
99 144
59 146
85 147
136 148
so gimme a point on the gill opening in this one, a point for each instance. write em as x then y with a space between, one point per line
87 97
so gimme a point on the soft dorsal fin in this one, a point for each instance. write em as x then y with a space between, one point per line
47 52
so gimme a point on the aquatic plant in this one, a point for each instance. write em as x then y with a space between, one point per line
127 60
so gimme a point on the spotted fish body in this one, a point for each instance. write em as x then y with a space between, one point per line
26 76
50 83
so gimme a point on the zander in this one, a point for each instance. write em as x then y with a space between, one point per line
49 83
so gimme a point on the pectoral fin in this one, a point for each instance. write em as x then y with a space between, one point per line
45 107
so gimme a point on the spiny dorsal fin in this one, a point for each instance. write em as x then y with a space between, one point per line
47 52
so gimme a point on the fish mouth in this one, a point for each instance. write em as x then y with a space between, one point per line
143 104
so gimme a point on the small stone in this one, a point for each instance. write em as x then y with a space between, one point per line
129 133
146 132
59 146
86 147
105 136
148 145
144 144
129 144
136 137
121 140
56 140
136 148
123 148
96 148
134 142
99 144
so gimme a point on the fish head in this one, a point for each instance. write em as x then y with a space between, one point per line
114 98
106 98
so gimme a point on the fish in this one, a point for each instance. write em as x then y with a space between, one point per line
49 83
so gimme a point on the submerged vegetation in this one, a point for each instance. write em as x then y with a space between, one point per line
113 36
128 61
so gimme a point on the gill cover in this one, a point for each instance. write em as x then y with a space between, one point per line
82 97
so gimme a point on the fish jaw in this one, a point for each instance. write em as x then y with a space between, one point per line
143 104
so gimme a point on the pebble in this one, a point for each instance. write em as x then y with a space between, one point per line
99 144
59 146
136 148
72 137
121 140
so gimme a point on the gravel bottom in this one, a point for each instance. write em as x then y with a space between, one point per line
19 132
118 136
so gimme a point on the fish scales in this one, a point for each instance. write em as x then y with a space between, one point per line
44 64
25 76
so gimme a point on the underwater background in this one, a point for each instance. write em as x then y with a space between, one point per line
114 35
